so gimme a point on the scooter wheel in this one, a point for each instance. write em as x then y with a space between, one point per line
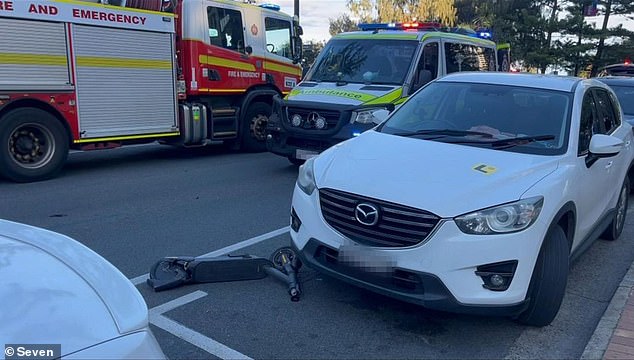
281 256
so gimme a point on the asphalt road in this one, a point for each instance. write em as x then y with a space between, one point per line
135 205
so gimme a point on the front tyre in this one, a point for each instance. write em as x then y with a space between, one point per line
254 125
616 226
548 283
33 145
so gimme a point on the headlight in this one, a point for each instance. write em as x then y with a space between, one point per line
369 116
306 177
505 218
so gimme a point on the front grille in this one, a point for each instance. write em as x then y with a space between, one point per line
331 116
397 226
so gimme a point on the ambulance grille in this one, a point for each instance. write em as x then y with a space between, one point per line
397 226
332 117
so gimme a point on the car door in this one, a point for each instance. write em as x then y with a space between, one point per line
609 118
590 175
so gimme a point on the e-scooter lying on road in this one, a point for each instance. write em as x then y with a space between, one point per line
171 272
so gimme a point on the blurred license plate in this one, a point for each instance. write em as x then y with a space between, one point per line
365 259
305 154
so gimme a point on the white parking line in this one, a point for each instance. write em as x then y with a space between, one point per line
226 250
193 337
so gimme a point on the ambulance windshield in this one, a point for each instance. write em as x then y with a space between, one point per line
367 61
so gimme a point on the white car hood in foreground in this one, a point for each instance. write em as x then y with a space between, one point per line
445 179
55 290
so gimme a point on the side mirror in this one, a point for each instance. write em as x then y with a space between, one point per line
248 50
380 116
298 47
603 146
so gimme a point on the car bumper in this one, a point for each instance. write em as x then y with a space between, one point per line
302 146
438 273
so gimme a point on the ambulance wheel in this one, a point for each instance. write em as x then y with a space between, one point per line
254 127
34 145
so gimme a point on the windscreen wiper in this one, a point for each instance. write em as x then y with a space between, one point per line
520 140
444 133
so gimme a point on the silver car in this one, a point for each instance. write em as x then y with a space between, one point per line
54 290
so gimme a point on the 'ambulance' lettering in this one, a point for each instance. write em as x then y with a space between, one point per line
43 9
6 5
103 16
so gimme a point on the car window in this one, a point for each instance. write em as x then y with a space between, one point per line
607 114
429 59
501 111
588 126
370 61
625 94
225 28
466 57
278 37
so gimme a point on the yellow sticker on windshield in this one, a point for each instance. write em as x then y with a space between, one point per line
485 169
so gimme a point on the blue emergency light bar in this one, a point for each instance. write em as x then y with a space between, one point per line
426 26
270 6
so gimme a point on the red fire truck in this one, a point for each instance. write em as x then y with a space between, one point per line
98 74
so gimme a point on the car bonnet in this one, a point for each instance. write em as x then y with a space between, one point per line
61 289
445 179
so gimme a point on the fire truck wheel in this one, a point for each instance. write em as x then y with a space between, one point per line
34 145
254 127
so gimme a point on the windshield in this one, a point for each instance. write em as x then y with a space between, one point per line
368 61
497 116
625 94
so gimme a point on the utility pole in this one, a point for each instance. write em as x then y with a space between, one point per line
296 9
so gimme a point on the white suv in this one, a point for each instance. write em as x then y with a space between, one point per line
473 196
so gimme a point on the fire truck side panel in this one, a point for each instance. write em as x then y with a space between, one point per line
33 55
125 82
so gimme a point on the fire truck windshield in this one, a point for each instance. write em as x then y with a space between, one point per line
368 61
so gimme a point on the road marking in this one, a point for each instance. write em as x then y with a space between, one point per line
226 250
247 243
171 305
193 337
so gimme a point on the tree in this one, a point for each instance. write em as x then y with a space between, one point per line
341 24
443 11
612 7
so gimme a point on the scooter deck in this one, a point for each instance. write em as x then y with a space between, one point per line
228 268
172 272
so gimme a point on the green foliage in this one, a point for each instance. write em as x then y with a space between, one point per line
542 33
341 24
403 10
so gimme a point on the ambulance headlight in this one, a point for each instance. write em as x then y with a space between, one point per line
296 120
369 116
320 123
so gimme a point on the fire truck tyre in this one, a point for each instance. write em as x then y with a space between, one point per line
34 145
548 283
254 127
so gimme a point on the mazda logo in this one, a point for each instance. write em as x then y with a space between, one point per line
367 214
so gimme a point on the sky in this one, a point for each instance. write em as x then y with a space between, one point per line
313 15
